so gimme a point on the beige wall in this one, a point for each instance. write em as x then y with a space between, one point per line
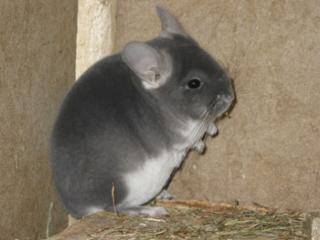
269 151
37 53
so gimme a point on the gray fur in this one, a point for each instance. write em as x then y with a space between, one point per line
111 125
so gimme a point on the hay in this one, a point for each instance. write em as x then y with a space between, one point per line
194 220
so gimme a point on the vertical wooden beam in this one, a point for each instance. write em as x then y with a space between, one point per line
96 32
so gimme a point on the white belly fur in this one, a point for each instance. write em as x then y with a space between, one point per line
147 181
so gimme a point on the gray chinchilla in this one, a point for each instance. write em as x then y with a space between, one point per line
130 119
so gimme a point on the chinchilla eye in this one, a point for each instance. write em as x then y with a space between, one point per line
194 83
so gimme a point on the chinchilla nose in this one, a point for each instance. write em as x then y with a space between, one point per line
223 103
227 98
226 92
224 96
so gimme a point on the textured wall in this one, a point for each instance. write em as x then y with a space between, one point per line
269 151
37 55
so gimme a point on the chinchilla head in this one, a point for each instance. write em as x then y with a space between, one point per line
178 73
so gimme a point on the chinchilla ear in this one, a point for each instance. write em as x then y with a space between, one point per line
169 24
149 64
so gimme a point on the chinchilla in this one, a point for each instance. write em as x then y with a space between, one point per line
130 119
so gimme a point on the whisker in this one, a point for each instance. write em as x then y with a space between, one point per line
204 116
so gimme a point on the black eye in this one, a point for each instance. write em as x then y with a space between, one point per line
194 83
